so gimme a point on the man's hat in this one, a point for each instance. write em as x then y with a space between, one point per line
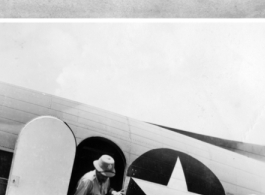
105 165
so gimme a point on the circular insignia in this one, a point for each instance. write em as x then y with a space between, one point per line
109 166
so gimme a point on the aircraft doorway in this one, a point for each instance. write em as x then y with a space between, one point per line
91 149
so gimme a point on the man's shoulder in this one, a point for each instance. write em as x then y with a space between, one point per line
85 184
90 176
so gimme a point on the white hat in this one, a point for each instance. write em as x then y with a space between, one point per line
105 165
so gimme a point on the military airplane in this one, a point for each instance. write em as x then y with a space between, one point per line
47 143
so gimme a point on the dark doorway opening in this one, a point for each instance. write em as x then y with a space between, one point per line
91 149
5 165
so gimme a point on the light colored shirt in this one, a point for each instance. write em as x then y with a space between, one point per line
89 185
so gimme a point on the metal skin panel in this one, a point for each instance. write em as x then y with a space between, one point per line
44 156
22 94
132 136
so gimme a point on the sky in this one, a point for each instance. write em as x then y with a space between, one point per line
200 76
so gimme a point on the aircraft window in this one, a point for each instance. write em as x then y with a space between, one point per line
91 149
5 165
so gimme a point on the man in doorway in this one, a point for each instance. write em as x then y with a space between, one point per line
97 182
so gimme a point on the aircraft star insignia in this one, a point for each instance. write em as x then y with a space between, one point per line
176 185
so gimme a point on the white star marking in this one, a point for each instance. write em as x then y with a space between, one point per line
176 186
177 179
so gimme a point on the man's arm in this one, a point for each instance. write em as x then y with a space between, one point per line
84 187
113 192
110 191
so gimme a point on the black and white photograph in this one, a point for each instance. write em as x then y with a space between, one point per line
129 107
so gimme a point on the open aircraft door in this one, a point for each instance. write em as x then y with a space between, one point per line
43 158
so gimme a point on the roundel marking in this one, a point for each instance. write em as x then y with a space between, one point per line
157 166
